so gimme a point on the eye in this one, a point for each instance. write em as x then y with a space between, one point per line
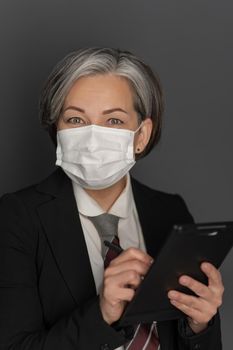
114 121
75 120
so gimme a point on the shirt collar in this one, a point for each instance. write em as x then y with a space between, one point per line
89 207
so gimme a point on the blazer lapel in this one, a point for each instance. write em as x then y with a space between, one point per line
151 215
60 220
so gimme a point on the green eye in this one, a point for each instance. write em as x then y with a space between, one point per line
115 121
75 120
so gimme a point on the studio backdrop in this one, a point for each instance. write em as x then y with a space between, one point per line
189 44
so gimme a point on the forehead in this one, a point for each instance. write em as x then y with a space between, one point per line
101 89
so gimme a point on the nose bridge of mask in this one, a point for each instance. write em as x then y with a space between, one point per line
91 142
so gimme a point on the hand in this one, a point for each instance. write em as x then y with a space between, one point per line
201 308
121 278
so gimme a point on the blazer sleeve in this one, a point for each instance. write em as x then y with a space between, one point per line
21 315
210 339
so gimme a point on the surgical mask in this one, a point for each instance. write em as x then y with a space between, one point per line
95 157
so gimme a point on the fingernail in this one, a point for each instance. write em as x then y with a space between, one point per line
172 294
184 280
205 265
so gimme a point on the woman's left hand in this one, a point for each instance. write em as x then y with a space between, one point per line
201 308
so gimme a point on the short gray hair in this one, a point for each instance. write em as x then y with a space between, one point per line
148 97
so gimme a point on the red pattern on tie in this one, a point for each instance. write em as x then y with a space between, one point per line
145 336
111 254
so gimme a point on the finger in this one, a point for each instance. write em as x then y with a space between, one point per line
123 280
194 314
133 253
116 295
136 265
197 287
188 300
189 304
125 294
214 276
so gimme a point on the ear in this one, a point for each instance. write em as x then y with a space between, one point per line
143 136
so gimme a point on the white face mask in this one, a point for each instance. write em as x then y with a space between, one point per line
95 157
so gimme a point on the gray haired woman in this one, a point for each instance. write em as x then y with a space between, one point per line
61 287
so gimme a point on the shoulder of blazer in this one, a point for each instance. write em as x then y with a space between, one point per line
54 185
18 214
23 203
171 206
150 192
20 207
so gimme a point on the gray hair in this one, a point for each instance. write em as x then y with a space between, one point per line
148 98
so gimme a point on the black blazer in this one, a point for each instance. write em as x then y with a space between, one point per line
47 292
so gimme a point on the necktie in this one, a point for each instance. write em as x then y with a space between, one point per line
145 336
107 227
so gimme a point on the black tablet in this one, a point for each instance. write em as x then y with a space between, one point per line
184 250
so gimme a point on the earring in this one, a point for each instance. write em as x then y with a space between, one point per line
138 149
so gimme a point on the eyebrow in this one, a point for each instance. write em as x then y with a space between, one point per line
107 111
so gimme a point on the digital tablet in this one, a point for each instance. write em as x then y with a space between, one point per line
185 249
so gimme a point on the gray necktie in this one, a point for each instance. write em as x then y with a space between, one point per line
107 227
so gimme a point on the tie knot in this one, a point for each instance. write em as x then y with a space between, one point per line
107 227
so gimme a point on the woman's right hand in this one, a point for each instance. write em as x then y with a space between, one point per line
121 278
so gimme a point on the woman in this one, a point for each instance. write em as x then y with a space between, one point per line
102 109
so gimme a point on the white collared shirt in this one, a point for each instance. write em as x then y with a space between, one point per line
129 228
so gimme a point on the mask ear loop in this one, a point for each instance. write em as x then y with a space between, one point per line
138 148
139 127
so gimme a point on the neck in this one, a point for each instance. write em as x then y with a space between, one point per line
106 197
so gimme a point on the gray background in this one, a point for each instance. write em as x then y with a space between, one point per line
189 43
